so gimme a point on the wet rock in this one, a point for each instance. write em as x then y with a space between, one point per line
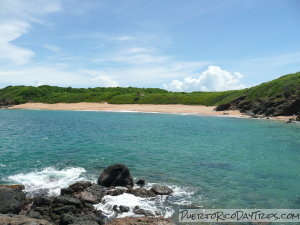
12 198
137 210
140 182
116 175
161 190
141 192
80 186
124 208
11 219
93 194
115 191
66 191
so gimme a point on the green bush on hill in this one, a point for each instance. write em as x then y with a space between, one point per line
282 87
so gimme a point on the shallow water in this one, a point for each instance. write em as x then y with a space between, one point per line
212 161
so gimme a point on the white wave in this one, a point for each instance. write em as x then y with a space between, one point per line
49 180
162 204
131 201
180 196
2 165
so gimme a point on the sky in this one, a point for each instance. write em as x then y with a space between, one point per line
194 45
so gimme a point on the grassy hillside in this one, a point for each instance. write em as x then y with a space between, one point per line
283 87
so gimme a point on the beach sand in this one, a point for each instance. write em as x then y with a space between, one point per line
172 109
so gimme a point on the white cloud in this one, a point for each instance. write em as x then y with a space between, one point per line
52 48
56 75
125 38
28 10
213 79
105 81
16 17
9 52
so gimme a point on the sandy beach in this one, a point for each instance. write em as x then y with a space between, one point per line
172 109
176 109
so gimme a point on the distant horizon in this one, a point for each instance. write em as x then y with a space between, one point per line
182 47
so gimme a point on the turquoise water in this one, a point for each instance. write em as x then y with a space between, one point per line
223 162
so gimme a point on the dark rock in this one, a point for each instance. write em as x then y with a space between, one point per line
161 190
141 192
116 175
116 191
66 191
11 219
93 194
12 198
137 210
80 186
158 213
79 219
42 201
64 209
140 182
223 107
124 208
67 200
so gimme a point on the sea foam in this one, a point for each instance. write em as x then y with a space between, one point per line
49 180
163 204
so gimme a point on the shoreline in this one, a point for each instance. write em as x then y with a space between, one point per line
199 110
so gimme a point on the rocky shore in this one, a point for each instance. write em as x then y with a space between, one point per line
77 203
271 107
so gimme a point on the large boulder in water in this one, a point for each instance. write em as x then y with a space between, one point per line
12 198
161 190
116 175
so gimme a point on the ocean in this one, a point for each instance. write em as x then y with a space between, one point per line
210 162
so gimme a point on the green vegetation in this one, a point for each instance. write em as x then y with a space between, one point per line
280 88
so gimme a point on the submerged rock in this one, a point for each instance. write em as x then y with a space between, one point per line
141 192
12 198
137 210
116 175
161 190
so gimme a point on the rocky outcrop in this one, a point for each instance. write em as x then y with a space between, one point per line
75 204
279 106
116 175
12 198
11 219
64 208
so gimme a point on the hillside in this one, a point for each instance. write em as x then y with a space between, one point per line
283 92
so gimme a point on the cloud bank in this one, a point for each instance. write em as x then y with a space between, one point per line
16 17
213 79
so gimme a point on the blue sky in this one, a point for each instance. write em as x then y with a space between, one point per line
177 45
